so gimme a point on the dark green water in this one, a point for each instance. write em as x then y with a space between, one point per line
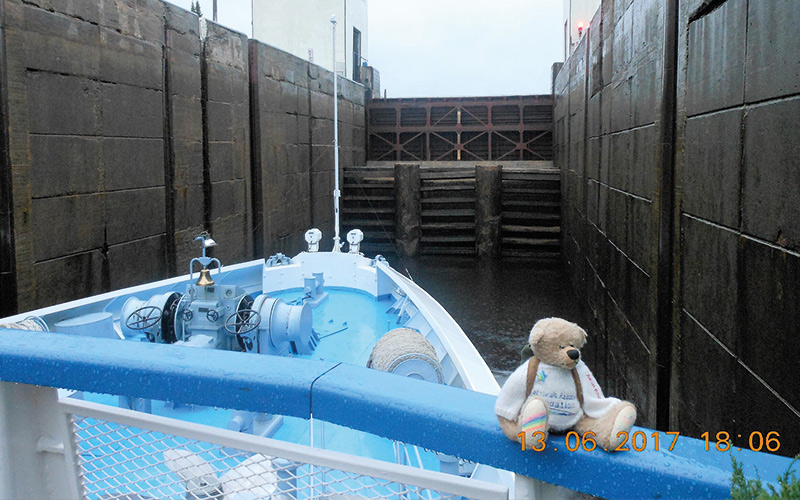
495 302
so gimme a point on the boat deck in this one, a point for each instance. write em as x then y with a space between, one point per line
349 324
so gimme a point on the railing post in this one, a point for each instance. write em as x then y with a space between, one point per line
488 209
408 208
36 452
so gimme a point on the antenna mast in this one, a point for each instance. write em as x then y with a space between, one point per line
336 193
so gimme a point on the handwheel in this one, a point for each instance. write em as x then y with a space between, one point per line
143 318
212 315
187 315
243 321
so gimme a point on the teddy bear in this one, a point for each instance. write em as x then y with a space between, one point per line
555 391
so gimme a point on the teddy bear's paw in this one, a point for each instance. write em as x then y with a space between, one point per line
622 426
533 420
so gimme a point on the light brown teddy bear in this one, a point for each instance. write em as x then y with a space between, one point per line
556 391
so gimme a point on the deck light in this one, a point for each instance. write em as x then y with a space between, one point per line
313 237
355 237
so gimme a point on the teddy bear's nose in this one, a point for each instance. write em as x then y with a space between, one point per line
574 354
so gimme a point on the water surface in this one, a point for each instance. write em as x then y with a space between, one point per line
495 302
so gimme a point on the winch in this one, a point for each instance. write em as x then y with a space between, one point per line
278 328
196 318
211 315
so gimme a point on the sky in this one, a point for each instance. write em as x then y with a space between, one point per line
448 48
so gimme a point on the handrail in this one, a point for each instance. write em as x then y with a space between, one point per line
446 419
292 452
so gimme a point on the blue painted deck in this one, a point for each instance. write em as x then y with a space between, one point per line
438 417
349 324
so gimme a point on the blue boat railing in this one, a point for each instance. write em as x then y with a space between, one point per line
437 417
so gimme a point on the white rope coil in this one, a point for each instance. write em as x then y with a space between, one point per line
401 345
32 324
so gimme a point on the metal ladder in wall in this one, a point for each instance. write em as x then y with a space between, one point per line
531 222
448 211
531 219
368 204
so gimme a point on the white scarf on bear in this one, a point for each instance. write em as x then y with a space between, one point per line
556 386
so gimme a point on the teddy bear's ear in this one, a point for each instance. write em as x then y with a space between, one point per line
536 333
585 335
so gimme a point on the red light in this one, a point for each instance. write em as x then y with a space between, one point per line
580 25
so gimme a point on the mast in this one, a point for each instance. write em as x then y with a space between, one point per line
336 193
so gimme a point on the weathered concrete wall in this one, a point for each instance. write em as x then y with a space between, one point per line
8 272
293 107
125 133
736 266
738 215
606 130
184 147
226 146
85 111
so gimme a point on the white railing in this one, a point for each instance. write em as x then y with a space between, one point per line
39 448
125 454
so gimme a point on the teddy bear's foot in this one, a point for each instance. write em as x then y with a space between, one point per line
622 426
533 421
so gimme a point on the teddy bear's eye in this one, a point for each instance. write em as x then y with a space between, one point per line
572 345
560 346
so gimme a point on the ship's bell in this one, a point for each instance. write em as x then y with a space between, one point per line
205 278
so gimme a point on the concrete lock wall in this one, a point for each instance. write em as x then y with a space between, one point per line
124 133
710 287
293 113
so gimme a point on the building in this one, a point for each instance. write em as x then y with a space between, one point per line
577 16
303 28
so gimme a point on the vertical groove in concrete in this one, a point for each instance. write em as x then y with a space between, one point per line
207 188
666 166
257 195
742 137
169 160
105 265
8 275
585 153
741 261
603 360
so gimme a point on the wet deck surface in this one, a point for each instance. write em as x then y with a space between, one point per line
495 302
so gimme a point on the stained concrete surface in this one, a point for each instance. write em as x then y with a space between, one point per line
733 277
126 133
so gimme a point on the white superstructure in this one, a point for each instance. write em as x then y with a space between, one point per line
302 28
577 16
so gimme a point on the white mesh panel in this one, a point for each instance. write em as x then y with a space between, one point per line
119 461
